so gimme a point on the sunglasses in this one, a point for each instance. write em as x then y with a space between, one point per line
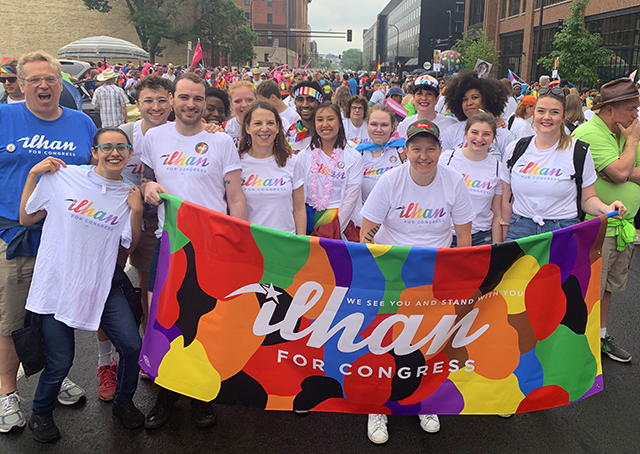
555 91
11 80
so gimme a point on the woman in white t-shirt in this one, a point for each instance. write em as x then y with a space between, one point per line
541 181
415 204
272 180
481 174
89 213
333 177
467 95
355 128
242 95
518 123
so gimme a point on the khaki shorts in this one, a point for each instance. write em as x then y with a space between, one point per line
143 253
615 266
15 279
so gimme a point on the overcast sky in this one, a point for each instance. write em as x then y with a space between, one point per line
339 15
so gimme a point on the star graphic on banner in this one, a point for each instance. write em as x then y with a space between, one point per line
271 293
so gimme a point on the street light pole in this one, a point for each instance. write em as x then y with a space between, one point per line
397 46
211 11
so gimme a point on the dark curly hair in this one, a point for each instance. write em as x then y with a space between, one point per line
494 94
357 99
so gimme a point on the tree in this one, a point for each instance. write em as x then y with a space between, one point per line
352 59
476 46
579 52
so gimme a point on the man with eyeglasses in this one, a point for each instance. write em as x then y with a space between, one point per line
29 133
110 100
9 81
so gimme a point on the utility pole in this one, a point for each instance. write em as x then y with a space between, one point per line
539 50
397 46
211 11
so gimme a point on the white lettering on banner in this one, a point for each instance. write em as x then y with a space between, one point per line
39 142
319 333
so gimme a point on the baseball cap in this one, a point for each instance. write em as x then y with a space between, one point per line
427 82
395 91
423 127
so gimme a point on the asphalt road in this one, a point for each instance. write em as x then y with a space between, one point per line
608 422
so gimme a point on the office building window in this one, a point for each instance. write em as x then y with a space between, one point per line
503 14
622 36
269 2
510 54
248 16
247 2
269 18
460 7
514 7
269 38
476 12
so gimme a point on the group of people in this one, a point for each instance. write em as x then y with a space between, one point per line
80 202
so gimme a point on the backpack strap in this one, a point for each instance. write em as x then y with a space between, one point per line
518 151
579 156
451 157
511 119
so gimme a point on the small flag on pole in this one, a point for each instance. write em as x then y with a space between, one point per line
197 54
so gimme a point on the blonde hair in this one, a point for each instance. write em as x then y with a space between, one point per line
241 84
565 139
574 109
38 55
385 109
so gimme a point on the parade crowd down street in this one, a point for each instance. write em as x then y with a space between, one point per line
419 160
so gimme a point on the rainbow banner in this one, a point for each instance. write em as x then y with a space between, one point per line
252 316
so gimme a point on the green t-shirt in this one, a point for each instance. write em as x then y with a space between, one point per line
605 149
411 110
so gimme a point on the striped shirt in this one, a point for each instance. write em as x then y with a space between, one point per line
110 98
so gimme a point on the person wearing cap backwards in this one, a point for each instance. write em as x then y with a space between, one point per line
613 135
416 204
425 97
9 80
110 100
307 97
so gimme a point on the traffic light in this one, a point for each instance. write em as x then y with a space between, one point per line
349 35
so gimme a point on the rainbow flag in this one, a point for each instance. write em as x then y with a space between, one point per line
378 74
252 316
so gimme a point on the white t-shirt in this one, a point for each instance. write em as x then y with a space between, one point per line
441 105
377 97
482 179
509 108
412 215
234 130
453 138
268 191
374 168
442 122
356 135
87 218
541 182
132 173
289 117
521 128
348 172
190 167
10 100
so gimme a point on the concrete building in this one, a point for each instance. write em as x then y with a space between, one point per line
274 21
408 31
514 26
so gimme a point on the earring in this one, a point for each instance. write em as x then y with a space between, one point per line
249 141
276 140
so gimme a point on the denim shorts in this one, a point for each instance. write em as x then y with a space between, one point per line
477 239
521 227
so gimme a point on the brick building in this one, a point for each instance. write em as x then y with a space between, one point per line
514 26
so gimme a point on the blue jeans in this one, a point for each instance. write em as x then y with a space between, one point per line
520 227
477 239
59 347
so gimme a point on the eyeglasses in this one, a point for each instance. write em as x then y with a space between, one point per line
36 81
162 102
11 80
107 148
555 91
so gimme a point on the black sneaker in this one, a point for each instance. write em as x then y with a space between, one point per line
131 417
44 428
203 413
613 351
160 412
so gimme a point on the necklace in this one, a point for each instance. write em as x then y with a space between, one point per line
317 201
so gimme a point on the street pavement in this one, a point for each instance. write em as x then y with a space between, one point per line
608 422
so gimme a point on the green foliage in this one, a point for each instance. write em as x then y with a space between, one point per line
474 46
352 59
579 52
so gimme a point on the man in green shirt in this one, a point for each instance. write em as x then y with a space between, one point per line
613 135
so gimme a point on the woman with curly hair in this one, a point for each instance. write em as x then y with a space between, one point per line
467 95
355 129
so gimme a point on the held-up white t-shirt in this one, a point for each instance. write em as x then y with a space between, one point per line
87 218
442 122
482 179
374 168
348 172
357 135
453 138
412 215
190 167
268 191
541 182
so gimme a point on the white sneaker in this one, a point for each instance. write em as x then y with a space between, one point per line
506 415
377 429
10 414
70 393
429 423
